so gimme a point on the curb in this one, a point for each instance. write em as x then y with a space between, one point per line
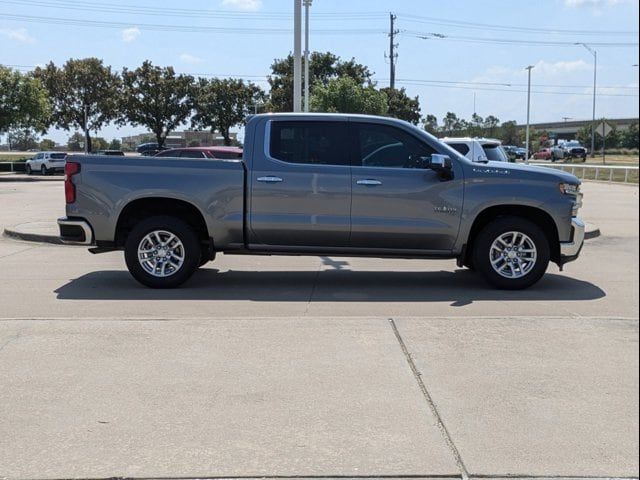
22 178
589 234
32 237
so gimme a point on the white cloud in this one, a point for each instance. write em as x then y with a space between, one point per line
561 67
594 3
18 34
244 5
191 59
130 34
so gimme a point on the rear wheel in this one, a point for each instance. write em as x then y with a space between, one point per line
162 252
511 253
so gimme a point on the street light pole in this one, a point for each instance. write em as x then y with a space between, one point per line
307 5
529 68
595 73
297 55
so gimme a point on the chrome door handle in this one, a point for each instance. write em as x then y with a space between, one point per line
270 179
369 182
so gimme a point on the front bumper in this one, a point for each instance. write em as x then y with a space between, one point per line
75 231
569 251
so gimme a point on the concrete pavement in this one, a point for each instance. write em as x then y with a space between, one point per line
284 366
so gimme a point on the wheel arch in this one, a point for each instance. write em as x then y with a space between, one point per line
533 214
142 208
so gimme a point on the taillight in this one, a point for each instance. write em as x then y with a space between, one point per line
70 169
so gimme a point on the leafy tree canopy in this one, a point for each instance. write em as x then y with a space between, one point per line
23 101
345 95
402 106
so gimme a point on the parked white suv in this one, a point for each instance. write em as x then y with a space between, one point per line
478 149
46 163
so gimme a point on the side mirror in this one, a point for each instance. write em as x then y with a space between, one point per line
439 162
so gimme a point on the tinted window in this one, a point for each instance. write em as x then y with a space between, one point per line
316 143
58 156
191 154
495 153
226 155
169 153
461 148
389 147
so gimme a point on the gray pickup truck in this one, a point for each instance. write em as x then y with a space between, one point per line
339 185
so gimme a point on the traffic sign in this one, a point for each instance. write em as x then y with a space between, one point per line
604 129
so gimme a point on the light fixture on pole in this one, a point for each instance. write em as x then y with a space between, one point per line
307 6
297 55
595 73
529 68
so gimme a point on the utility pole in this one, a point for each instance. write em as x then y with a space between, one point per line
529 68
595 73
392 51
86 130
307 5
297 55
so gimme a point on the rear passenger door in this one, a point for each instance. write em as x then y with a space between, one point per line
301 185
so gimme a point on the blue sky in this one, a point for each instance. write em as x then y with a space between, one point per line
444 72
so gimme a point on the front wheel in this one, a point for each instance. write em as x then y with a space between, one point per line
511 253
162 252
27 169
43 170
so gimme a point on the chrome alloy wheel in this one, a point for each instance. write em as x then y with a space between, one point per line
513 255
161 253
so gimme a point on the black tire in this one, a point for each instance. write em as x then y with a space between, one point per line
499 226
27 169
182 230
43 170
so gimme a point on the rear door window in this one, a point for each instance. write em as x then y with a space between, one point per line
461 148
310 143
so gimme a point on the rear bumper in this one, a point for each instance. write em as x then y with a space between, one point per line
569 251
75 231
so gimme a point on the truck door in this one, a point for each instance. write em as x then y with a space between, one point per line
399 204
301 185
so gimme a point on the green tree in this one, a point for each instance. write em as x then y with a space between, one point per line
115 144
323 67
221 104
630 136
156 98
346 95
23 101
491 125
402 106
99 143
584 135
431 124
81 89
22 139
75 143
47 144
450 123
510 134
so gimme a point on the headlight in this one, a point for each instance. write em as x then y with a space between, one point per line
569 189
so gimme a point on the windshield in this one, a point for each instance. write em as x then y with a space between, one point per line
573 144
495 153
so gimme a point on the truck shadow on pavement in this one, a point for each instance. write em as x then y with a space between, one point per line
460 287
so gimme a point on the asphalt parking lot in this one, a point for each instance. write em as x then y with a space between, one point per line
324 367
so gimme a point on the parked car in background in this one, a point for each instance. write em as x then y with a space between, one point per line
515 153
115 153
478 149
221 153
544 154
149 149
573 149
557 153
46 163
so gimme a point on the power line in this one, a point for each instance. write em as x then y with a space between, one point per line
508 41
506 28
181 28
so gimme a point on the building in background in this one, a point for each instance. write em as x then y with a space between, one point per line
187 138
